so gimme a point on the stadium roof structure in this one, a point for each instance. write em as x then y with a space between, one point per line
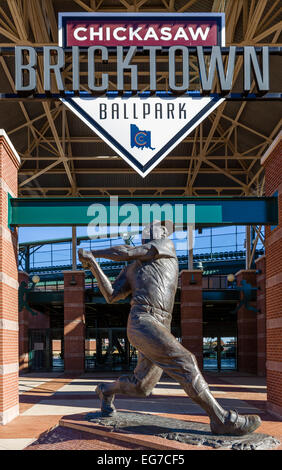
61 156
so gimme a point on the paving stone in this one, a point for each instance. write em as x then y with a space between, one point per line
62 438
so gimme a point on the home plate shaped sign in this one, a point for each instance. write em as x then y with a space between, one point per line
143 130
141 127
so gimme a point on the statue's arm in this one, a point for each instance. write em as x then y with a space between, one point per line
127 253
111 293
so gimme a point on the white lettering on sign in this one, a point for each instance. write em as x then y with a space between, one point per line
77 36
131 33
199 32
116 35
94 34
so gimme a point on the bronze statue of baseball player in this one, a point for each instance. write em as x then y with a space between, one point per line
151 278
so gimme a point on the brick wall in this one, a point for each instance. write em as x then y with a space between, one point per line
247 328
74 322
261 316
9 401
272 162
192 313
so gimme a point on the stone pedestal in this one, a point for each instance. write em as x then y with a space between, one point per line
192 312
9 324
74 322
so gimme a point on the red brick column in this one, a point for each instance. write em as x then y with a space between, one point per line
247 328
74 321
272 162
9 396
261 319
23 330
192 313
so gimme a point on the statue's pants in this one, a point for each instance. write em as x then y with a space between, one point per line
148 331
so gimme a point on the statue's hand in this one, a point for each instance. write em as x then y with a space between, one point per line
85 257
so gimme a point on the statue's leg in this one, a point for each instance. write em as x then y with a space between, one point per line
141 383
163 349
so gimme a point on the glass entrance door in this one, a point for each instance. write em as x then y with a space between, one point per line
228 355
108 349
57 347
220 353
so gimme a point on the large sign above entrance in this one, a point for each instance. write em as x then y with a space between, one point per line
142 129
182 56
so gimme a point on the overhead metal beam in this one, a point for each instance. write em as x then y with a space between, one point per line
43 97
208 211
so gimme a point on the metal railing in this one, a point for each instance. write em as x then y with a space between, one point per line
218 281
57 254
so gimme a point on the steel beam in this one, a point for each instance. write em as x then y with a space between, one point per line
20 97
209 211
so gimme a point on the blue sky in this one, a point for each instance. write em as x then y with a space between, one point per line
223 234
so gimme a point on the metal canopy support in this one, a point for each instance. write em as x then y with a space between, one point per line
74 246
190 246
248 246
41 97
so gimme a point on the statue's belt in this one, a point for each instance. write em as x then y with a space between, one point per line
149 309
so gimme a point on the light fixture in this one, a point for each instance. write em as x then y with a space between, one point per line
199 265
35 279
230 278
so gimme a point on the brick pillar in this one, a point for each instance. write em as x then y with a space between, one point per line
192 313
74 321
9 365
272 162
23 330
247 328
261 320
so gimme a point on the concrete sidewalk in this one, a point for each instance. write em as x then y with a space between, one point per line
46 398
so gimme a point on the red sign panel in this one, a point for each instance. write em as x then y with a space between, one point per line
85 33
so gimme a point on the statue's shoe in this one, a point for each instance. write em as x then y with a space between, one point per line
236 425
107 401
